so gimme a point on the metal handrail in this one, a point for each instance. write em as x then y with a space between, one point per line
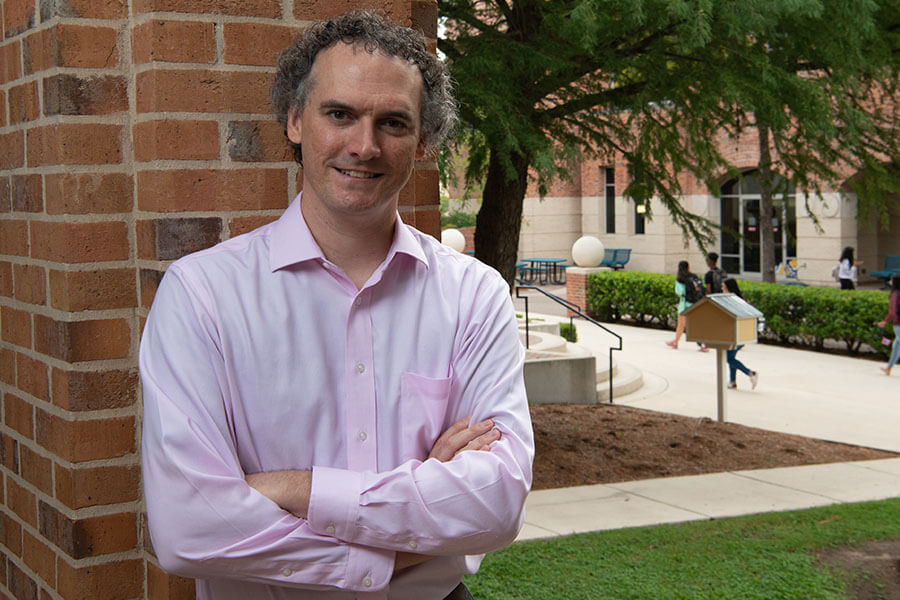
573 308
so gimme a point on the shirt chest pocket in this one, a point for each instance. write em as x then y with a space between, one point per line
423 404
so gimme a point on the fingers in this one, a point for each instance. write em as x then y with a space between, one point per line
463 436
482 442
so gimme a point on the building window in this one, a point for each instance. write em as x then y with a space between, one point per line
640 210
610 195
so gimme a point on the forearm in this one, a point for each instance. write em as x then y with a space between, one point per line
288 489
470 505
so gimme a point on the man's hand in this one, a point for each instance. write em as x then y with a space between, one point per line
288 489
461 436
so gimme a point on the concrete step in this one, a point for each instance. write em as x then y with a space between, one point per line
627 379
559 371
543 341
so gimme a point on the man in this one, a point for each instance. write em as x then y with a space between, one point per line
715 276
334 404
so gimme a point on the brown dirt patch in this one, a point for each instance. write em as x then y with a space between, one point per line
873 569
606 443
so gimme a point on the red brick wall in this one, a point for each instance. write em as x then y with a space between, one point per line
131 133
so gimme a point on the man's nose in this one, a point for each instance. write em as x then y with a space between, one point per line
364 141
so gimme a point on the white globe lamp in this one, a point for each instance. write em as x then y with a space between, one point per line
587 251
453 238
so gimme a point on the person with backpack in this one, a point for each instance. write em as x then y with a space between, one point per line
689 289
730 286
715 276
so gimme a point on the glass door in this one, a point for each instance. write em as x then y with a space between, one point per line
741 240
751 235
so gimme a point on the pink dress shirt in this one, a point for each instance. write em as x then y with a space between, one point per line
260 355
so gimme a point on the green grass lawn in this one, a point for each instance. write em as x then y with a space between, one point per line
769 557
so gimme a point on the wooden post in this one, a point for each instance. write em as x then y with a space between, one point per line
720 384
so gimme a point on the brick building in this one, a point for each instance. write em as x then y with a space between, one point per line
131 133
593 204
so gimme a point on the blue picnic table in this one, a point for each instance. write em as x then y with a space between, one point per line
543 270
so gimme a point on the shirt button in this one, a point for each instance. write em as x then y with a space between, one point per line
412 544
360 368
358 301
287 572
367 581
330 529
362 436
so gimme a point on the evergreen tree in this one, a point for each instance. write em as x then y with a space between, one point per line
544 83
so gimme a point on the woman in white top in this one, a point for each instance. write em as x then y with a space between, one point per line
847 269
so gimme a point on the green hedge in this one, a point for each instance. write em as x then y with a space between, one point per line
795 315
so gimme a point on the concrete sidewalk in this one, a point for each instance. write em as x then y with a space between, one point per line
565 511
824 396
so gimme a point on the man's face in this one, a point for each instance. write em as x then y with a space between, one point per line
360 130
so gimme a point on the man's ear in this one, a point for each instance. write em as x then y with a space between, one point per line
421 148
293 126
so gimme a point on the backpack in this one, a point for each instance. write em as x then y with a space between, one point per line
717 277
835 271
694 288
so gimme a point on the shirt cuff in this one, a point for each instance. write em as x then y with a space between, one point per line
333 511
334 502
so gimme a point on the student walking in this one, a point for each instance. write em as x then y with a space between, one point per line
686 297
847 269
893 317
730 286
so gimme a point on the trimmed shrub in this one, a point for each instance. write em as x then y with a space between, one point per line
795 315
568 332
642 297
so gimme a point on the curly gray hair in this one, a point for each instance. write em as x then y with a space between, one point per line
368 29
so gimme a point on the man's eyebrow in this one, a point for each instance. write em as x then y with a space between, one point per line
334 104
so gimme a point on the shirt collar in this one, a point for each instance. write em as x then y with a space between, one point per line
292 242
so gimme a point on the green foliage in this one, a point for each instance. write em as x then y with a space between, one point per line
761 557
795 315
662 85
457 219
569 332
642 297
807 316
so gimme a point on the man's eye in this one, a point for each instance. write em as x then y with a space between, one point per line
338 115
395 124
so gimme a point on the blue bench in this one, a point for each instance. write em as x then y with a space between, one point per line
615 258
609 255
891 267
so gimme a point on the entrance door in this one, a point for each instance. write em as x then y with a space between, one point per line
741 241
751 239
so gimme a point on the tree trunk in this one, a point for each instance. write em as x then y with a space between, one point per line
766 231
500 217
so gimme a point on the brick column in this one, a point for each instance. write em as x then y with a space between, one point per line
131 133
576 286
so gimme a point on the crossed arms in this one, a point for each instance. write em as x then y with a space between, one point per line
291 489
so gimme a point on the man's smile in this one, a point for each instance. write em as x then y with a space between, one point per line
358 174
